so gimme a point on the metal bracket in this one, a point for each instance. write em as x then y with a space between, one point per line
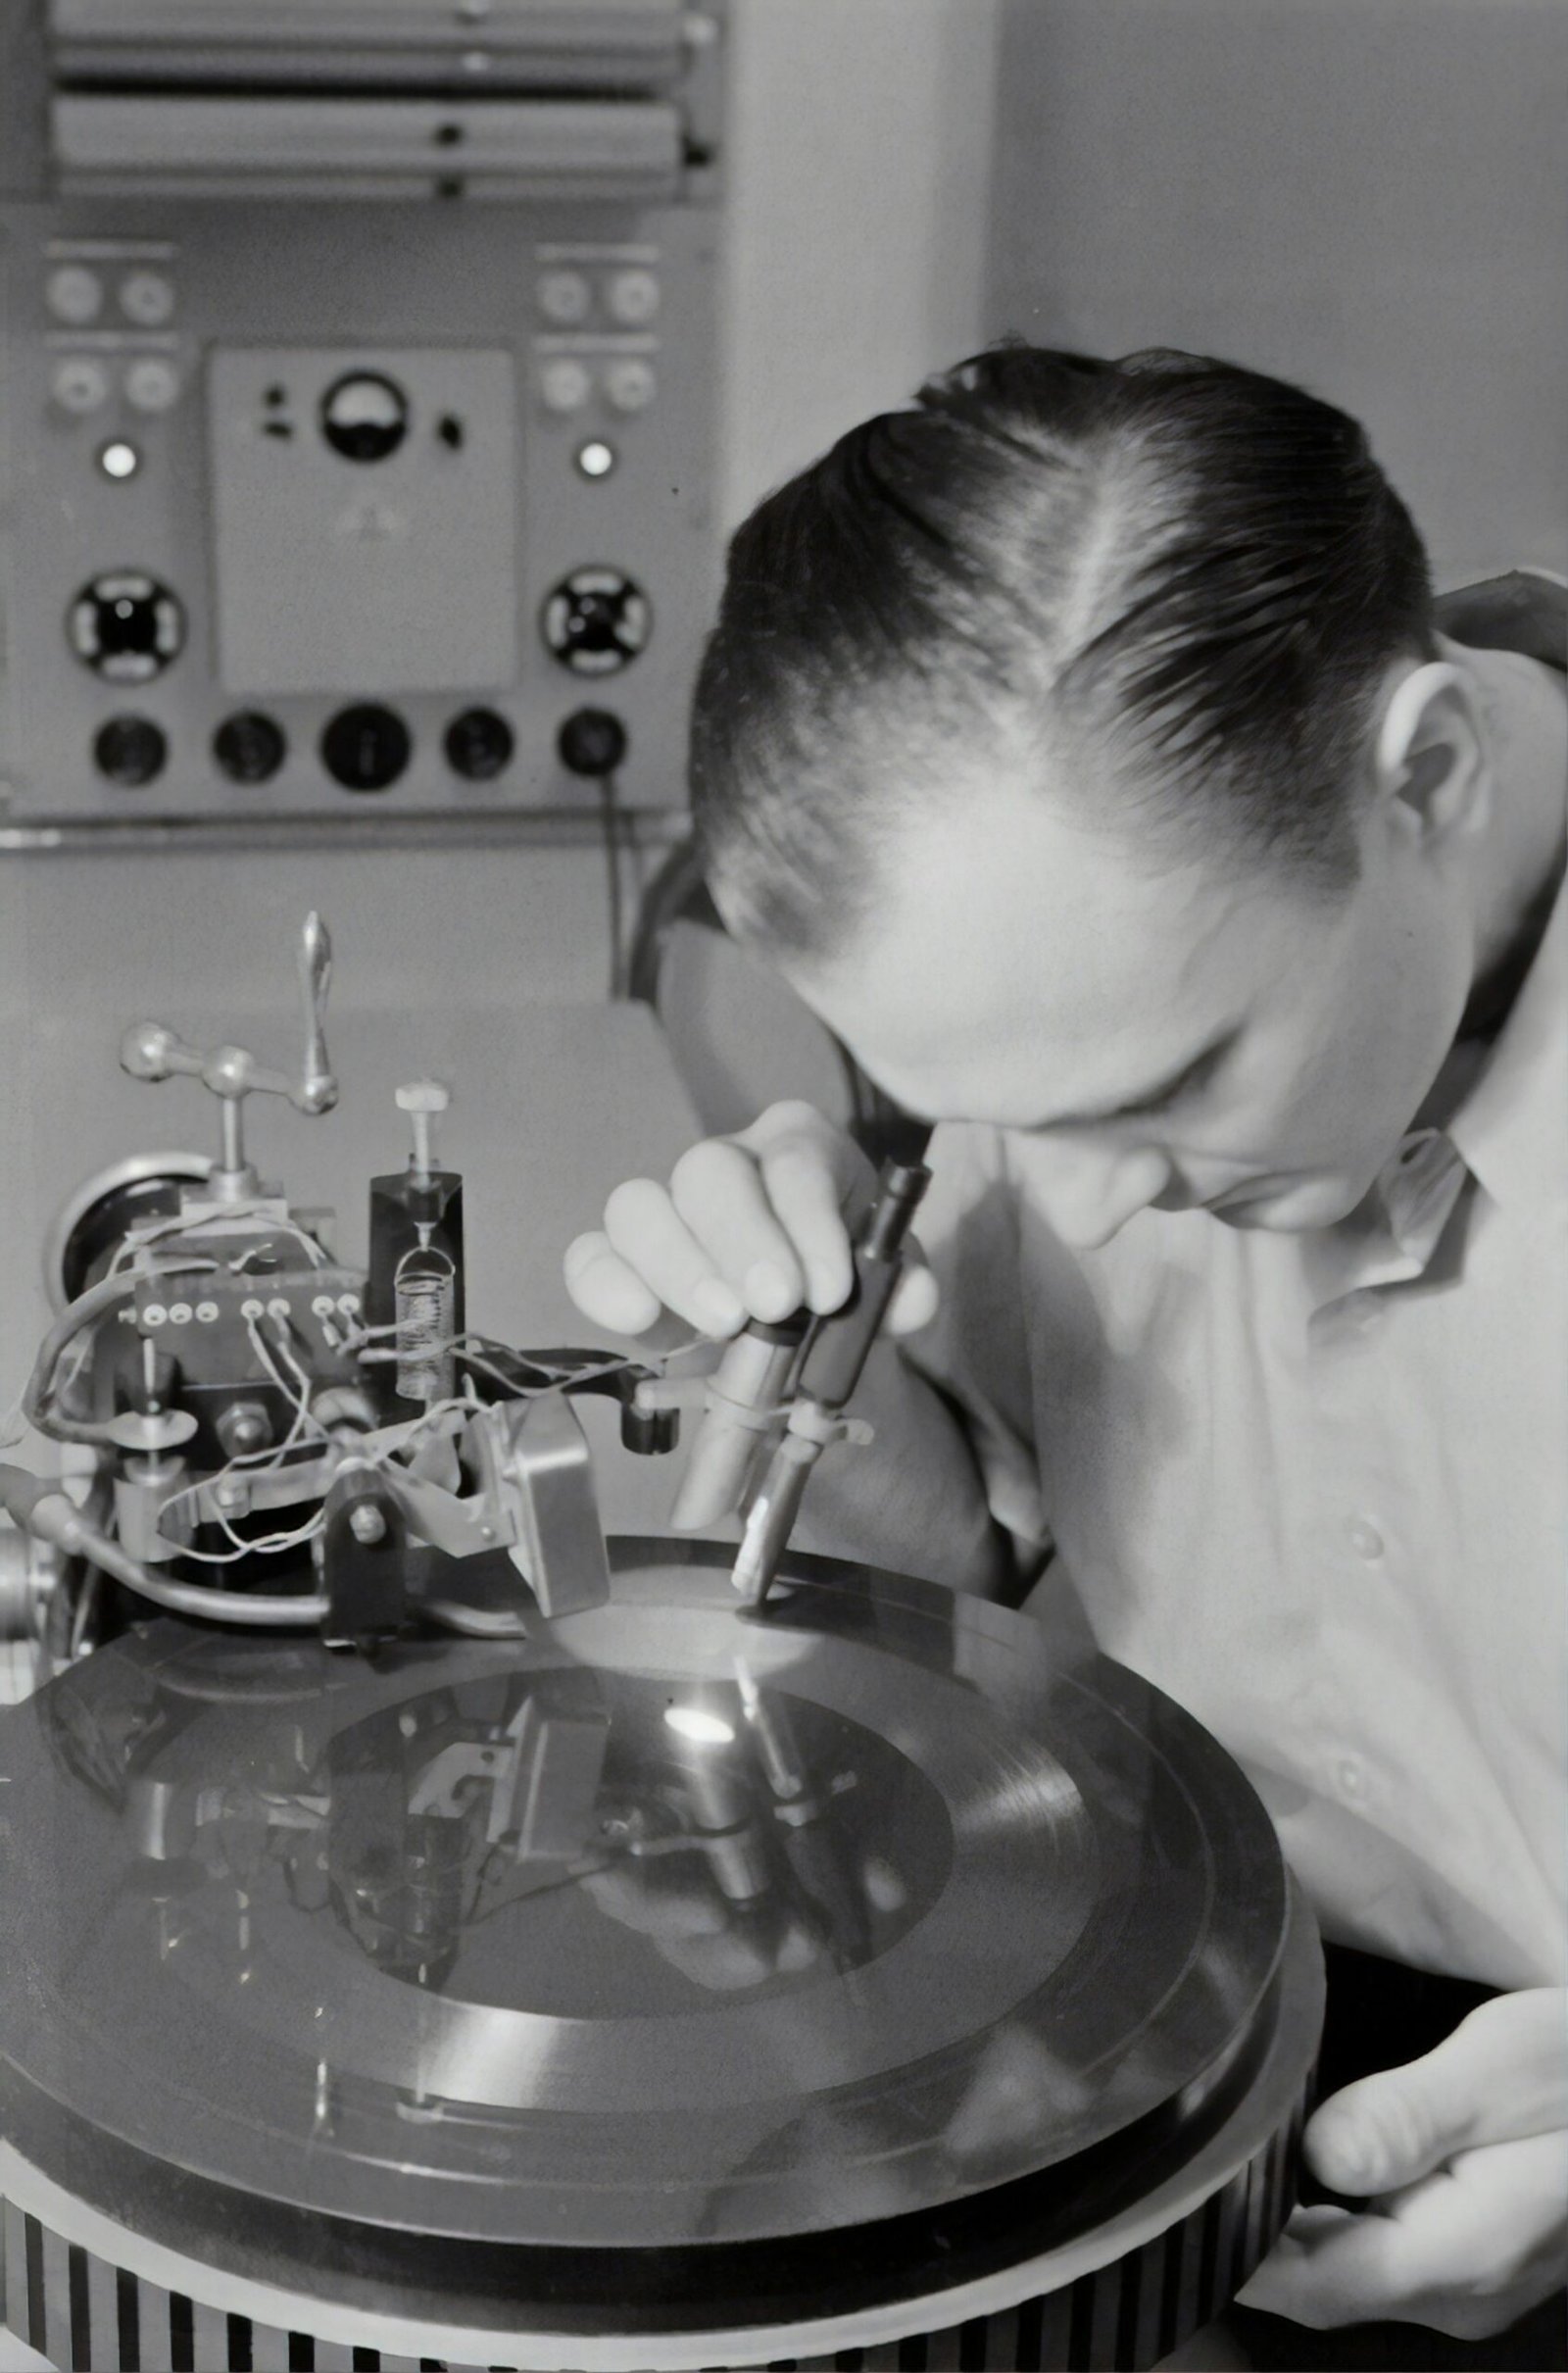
546 1478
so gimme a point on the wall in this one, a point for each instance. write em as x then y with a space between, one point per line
1363 195
862 147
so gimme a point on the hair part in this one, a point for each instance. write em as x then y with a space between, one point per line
1177 582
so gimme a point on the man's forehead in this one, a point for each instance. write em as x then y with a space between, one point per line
1013 948
1002 888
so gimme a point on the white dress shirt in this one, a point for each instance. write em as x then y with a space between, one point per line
1316 1487
1313 1486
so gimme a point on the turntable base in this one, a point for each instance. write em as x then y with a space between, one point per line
863 1981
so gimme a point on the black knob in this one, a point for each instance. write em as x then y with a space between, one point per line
479 745
366 748
592 741
249 747
127 627
131 750
597 621
365 416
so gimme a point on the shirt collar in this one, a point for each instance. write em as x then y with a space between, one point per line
1395 1229
1509 1132
1512 1128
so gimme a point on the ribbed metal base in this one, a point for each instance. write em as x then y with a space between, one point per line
80 2309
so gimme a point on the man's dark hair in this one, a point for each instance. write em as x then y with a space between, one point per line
1179 580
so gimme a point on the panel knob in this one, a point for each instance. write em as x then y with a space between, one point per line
131 751
366 748
479 745
249 747
592 741
597 621
127 627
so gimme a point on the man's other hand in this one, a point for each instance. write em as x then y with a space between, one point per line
750 1226
1462 2157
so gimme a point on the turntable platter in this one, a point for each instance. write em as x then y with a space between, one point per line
664 1931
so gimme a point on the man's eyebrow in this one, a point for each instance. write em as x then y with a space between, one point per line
1163 1092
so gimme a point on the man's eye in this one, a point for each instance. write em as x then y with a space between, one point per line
1150 1105
1179 1091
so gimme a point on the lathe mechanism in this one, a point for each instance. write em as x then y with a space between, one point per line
274 1439
278 1440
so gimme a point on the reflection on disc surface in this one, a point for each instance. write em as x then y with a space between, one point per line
668 1923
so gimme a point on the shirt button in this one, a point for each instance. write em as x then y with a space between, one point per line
1364 1538
1350 1776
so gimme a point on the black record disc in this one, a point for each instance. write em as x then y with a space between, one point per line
666 1923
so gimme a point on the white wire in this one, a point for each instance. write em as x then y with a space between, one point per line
156 1230
299 1398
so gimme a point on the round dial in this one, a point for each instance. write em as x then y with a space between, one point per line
479 745
365 416
366 748
597 621
129 751
249 747
591 742
126 625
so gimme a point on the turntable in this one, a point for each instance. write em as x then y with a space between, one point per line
544 1956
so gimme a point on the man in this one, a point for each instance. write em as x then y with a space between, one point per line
1085 747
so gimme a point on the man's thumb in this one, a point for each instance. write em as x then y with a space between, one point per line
1502 2074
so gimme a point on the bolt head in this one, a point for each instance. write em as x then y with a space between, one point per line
367 1523
243 1427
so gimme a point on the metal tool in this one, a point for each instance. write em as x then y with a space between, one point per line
832 1356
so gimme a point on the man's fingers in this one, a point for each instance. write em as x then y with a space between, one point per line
1331 2267
750 1226
719 1195
607 1289
645 1228
1466 2252
1502 2074
808 1169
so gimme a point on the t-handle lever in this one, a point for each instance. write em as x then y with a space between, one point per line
150 1051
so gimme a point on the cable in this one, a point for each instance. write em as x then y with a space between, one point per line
299 1399
156 1230
37 1393
43 1510
610 818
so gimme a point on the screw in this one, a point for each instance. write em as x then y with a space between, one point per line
367 1523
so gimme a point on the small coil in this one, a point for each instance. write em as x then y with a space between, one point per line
424 1305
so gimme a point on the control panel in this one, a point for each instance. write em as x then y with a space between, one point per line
357 452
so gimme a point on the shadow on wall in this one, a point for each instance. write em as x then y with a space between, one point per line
1365 195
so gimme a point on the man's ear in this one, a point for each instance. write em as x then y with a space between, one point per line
1432 769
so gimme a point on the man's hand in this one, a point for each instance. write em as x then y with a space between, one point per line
750 1226
1464 2157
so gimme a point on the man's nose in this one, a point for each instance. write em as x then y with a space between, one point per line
1091 1192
